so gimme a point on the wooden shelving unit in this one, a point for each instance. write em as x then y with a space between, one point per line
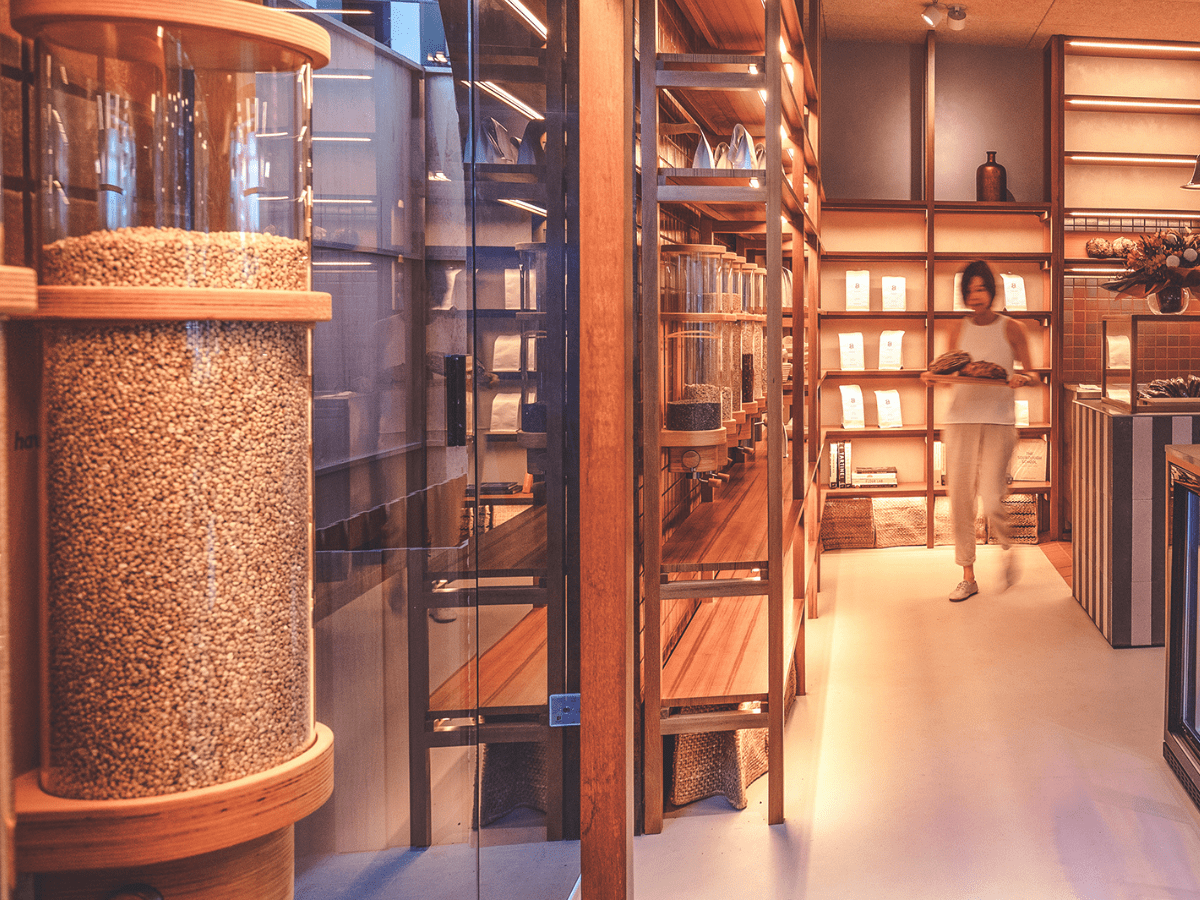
738 557
927 241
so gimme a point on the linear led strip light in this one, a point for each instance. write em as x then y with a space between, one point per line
1141 48
530 19
504 96
1132 159
1130 103
526 207
1129 214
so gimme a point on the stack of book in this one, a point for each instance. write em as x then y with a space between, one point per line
875 476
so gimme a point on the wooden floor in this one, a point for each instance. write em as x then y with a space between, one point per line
1059 554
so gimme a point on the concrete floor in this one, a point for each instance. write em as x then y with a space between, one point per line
996 748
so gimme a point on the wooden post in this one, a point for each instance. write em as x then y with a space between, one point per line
606 446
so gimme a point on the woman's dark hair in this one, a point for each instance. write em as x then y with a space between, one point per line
978 269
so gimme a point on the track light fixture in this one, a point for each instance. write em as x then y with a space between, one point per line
958 17
932 14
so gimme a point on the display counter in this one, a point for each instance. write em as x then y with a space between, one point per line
1118 502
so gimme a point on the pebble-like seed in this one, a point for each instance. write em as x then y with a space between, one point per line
177 473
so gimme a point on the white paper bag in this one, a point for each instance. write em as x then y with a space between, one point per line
891 346
1014 292
894 298
852 406
959 305
1118 351
506 353
512 288
853 357
858 289
888 404
1022 413
506 413
531 363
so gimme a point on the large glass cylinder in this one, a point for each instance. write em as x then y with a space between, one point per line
693 377
178 554
172 157
178 464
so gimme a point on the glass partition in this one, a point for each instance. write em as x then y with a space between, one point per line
443 397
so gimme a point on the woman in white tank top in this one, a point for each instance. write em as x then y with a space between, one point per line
978 429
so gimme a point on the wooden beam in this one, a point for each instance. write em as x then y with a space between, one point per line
606 431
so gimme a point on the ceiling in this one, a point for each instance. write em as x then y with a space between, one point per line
1014 23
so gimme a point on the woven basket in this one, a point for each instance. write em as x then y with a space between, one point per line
511 776
847 524
899 521
1022 519
721 762
943 528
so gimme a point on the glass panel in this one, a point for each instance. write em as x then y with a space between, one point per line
442 621
1191 663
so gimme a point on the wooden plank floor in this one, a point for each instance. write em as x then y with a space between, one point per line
1059 554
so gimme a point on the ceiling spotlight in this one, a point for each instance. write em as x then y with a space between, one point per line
932 15
958 17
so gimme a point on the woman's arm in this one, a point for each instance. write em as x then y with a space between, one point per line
1017 338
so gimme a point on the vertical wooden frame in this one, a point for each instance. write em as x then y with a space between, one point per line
606 442
1055 87
930 95
652 749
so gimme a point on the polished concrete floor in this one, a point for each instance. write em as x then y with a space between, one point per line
996 748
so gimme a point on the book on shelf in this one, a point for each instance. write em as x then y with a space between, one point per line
875 476
1028 462
939 464
839 460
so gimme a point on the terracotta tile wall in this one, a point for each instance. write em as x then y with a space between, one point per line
1167 349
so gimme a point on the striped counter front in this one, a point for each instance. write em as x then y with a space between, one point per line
1118 502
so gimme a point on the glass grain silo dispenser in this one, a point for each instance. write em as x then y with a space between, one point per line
174 226
695 391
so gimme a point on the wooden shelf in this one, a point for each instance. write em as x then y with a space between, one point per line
843 374
55 834
155 304
903 489
872 432
880 256
720 657
730 533
872 314
217 34
508 677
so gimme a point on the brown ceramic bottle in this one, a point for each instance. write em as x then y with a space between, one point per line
991 181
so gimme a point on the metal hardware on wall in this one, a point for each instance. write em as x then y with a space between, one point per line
456 400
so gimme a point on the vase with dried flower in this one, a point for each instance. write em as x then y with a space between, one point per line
1162 268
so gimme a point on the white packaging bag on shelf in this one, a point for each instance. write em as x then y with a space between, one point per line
888 404
506 413
959 305
1022 413
1118 351
512 288
852 358
1014 293
858 290
939 464
531 362
891 347
894 298
506 353
852 406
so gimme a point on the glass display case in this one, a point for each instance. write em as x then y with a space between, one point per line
1149 363
1181 741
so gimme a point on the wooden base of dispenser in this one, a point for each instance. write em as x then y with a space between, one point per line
262 868
173 304
18 291
55 834
694 451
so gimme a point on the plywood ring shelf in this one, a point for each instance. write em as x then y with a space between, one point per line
221 34
141 304
56 834
18 291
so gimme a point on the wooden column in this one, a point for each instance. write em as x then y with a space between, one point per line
606 446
